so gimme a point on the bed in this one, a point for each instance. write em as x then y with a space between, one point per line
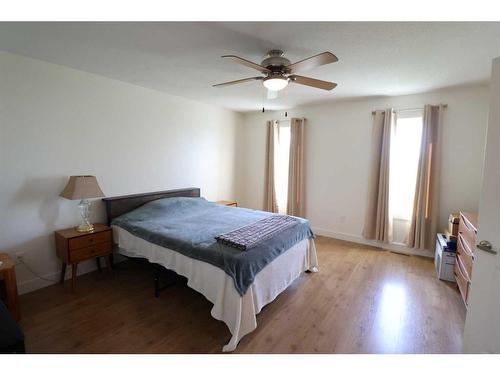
177 228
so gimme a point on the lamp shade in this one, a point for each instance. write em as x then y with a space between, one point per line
82 187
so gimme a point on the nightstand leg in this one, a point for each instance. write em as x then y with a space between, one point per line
98 261
11 291
63 272
109 263
74 269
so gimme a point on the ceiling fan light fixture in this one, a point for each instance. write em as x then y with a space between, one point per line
275 83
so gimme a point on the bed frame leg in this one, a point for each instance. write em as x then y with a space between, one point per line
157 281
157 273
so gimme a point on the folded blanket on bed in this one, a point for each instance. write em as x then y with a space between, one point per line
251 235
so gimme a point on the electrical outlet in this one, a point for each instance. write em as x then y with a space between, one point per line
19 255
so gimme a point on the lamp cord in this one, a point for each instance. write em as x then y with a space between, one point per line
21 261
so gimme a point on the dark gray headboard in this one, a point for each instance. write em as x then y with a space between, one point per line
116 206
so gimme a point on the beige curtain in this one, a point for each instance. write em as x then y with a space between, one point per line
270 203
423 227
296 177
378 220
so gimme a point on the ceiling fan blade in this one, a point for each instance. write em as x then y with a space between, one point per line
248 63
319 84
238 81
313 62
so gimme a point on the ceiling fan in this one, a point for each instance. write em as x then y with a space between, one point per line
279 71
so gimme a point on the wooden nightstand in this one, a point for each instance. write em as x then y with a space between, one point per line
8 273
73 247
228 203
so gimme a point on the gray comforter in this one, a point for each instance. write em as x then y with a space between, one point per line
190 225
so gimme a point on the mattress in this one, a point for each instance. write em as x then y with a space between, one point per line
190 226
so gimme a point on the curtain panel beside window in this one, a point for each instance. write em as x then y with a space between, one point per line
270 202
378 220
296 173
424 223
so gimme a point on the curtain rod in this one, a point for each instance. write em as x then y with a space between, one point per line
410 109
290 118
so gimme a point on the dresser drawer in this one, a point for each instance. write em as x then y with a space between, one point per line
90 239
465 255
84 253
462 282
468 232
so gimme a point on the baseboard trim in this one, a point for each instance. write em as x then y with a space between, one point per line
360 240
36 282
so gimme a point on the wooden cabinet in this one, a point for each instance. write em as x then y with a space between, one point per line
73 247
466 245
8 275
228 203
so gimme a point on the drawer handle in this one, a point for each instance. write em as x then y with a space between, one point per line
465 247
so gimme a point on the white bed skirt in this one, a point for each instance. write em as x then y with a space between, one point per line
236 311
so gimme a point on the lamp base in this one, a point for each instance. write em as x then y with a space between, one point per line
85 228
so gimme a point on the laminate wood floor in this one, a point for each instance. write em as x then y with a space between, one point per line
363 300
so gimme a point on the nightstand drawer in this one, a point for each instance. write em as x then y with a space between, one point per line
84 253
89 240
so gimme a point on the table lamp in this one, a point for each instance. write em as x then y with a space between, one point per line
83 188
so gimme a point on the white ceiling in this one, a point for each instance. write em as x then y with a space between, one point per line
184 58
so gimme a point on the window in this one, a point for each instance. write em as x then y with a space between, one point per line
281 160
405 150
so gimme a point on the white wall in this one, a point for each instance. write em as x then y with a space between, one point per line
56 122
337 156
